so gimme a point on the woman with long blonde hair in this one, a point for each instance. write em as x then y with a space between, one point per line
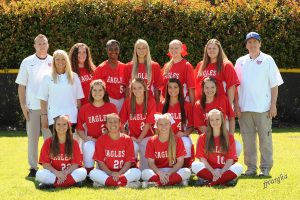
60 92
165 153
217 154
142 66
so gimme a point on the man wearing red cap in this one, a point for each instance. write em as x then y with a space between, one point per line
255 104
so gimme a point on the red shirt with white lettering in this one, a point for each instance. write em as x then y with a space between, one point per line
114 153
92 118
156 78
225 78
113 77
158 151
175 112
216 159
85 78
137 121
61 161
220 102
183 71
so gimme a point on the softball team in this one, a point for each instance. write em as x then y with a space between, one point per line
123 145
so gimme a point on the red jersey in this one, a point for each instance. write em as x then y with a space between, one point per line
156 79
183 71
137 121
93 118
113 77
176 114
61 161
225 79
158 151
216 159
114 153
85 78
200 115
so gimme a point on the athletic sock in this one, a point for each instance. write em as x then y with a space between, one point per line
226 176
67 183
174 179
205 174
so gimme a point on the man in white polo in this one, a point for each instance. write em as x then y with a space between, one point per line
255 104
30 76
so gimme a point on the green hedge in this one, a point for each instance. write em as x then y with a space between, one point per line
94 22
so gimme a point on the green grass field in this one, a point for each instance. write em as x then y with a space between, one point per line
14 169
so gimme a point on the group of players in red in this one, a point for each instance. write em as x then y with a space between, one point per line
126 104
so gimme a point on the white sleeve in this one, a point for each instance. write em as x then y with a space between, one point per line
43 93
22 77
78 88
275 78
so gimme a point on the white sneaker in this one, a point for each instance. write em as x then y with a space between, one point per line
146 184
134 184
96 184
184 183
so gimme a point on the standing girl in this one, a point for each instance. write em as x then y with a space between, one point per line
178 67
91 120
165 154
143 67
216 64
82 64
115 155
138 110
182 113
216 152
111 72
60 92
60 157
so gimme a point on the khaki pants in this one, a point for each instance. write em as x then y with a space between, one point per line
250 124
33 128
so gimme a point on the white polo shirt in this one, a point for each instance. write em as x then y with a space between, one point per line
61 96
31 74
257 77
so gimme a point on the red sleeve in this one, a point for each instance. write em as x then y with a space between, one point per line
129 157
97 73
189 114
190 81
127 74
77 156
80 119
231 154
180 150
150 148
45 152
99 154
158 78
124 112
230 75
159 107
151 110
198 115
200 151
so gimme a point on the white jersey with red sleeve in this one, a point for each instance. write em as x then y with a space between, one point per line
175 112
113 77
114 153
156 78
220 103
61 161
216 159
225 78
184 72
85 78
137 121
158 151
93 118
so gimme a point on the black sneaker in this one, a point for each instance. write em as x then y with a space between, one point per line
231 183
43 186
32 173
249 173
79 184
201 182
